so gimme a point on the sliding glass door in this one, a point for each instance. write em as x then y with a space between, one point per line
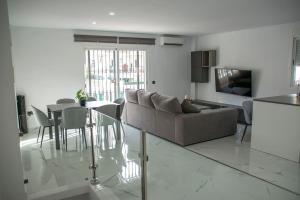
109 72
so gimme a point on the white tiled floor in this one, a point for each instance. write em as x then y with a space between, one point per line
231 152
173 172
48 168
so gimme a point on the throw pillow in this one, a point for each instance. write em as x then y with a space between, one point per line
131 95
144 98
166 103
188 107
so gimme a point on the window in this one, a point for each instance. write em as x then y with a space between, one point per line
108 72
296 61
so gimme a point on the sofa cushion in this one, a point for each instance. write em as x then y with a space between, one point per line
144 98
188 107
166 103
131 95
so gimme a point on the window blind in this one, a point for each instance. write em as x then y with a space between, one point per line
297 52
113 39
133 40
95 38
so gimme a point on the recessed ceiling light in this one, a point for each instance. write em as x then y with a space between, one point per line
94 22
112 13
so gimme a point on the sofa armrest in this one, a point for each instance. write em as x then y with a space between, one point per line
206 125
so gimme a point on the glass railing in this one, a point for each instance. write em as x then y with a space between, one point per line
48 169
117 157
138 165
132 164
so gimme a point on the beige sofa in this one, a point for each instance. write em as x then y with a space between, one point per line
161 116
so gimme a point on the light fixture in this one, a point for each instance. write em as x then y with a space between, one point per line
112 13
94 22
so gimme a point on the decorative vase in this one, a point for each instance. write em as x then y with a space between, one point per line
82 102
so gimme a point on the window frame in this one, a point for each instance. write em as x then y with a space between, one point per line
293 61
116 52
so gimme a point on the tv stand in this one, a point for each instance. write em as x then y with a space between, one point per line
215 105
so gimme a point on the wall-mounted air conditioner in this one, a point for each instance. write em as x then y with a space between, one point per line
171 40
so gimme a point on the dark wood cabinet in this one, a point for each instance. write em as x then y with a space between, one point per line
200 74
196 58
204 58
200 63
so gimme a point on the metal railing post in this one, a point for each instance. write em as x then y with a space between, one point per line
93 166
144 160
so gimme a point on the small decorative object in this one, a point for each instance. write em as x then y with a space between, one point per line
187 97
81 96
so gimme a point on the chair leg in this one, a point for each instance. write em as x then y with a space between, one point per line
66 138
244 133
42 136
113 125
102 135
63 135
37 140
80 138
84 137
106 131
122 129
99 135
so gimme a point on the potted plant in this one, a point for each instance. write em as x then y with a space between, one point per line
81 96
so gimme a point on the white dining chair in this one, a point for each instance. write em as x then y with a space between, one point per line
248 109
43 122
73 118
107 117
91 99
65 100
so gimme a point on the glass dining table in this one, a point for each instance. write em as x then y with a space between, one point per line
56 110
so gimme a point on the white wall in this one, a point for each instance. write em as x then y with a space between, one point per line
170 67
11 181
49 65
267 51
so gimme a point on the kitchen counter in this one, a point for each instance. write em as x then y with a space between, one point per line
290 99
276 127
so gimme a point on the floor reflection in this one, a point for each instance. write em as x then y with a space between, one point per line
174 173
114 154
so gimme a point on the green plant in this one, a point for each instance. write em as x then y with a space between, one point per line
81 95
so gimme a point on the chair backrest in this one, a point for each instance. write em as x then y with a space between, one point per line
91 99
109 110
41 117
65 100
74 117
248 109
121 102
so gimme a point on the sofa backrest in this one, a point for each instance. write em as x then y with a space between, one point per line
153 100
157 122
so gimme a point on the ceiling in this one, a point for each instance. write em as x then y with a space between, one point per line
185 17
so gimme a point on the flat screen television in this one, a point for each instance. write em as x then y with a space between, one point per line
233 81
